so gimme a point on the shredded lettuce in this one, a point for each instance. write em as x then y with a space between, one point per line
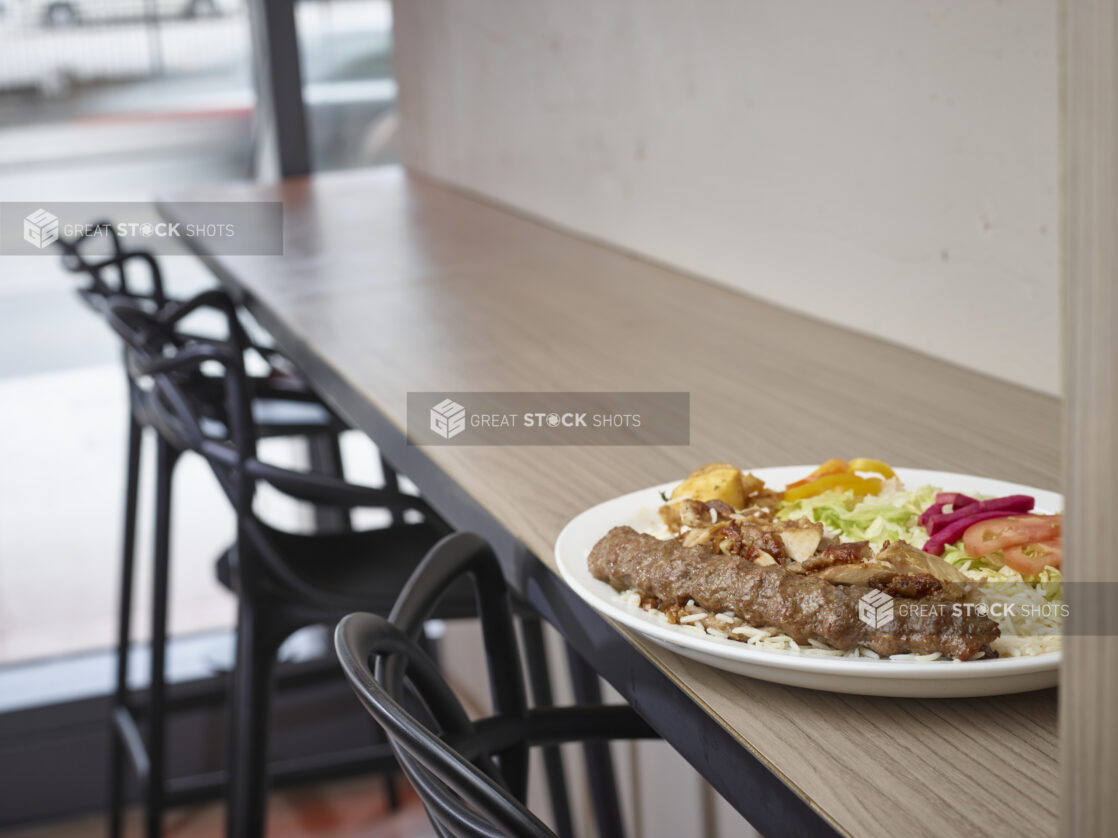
888 516
891 516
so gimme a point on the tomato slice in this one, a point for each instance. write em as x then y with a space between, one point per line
1001 533
1033 558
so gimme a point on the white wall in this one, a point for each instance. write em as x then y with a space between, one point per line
886 164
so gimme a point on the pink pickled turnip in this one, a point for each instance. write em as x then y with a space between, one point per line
1009 505
955 500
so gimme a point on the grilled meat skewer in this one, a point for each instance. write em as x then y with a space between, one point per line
803 606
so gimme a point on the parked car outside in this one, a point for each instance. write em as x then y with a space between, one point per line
73 12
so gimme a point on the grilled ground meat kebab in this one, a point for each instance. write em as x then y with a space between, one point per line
802 606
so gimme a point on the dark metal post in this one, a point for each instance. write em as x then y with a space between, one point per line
283 148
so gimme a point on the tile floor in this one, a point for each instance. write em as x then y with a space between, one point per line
342 809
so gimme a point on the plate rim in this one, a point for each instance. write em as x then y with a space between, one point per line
743 653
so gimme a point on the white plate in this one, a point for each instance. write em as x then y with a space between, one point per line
929 679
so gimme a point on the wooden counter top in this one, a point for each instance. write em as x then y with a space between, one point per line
395 284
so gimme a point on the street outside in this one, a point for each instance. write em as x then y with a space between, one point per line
107 113
89 99
338 39
125 139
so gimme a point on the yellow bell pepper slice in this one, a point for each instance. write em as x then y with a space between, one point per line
829 467
831 482
876 466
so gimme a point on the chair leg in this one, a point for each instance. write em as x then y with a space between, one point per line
391 484
432 646
388 773
124 627
248 736
539 681
391 790
599 763
325 454
166 456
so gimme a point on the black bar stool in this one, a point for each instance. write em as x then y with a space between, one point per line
282 406
278 405
471 775
283 580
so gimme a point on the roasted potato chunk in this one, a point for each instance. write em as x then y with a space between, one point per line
714 481
751 484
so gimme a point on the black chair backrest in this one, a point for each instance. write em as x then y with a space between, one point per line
181 370
471 776
175 362
112 275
